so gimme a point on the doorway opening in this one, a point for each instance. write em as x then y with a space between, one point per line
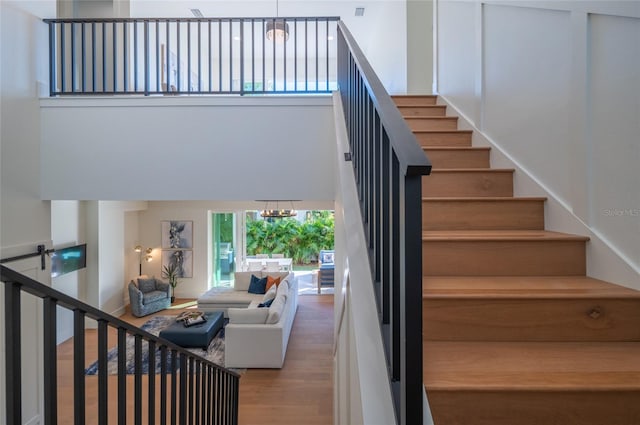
241 239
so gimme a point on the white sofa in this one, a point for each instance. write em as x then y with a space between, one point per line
255 337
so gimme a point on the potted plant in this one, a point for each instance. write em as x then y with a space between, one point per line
170 272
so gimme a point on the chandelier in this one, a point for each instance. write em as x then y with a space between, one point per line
277 212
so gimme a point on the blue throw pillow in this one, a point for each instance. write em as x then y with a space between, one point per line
257 285
266 303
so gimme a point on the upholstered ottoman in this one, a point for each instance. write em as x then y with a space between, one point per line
199 335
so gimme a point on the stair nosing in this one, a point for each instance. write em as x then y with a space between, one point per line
499 235
484 199
422 105
498 287
475 170
456 148
442 131
430 117
400 96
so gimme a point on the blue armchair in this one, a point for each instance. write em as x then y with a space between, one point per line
148 295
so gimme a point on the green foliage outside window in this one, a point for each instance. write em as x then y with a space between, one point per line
301 241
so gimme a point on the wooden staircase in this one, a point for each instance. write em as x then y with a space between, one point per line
514 332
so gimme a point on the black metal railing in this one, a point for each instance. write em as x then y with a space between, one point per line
192 55
191 390
388 165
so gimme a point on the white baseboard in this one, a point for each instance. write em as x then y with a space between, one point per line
119 312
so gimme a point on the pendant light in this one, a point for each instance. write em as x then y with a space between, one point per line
277 29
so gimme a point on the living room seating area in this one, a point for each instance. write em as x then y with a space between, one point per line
260 319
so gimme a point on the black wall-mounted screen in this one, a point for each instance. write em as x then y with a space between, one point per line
66 260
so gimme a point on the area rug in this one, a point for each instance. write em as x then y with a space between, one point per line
214 353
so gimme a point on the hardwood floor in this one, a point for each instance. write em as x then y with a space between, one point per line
300 392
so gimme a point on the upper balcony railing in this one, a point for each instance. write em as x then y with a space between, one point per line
149 56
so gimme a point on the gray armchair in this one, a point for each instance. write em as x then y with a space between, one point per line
148 295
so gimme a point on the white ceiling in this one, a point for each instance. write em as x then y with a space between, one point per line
373 18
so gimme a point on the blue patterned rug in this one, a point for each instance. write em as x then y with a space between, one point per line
214 353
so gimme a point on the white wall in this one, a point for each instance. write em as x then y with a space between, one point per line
23 216
109 247
554 88
24 219
419 46
187 148
68 229
386 47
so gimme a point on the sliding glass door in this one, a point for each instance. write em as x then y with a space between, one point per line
222 249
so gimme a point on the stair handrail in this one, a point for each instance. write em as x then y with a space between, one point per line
413 160
202 373
388 165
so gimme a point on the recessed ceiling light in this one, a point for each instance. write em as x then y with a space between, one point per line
236 37
197 13
330 38
359 11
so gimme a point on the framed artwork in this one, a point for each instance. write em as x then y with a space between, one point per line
181 258
177 234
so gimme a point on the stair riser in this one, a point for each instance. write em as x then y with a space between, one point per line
423 111
483 215
453 139
455 319
534 407
436 123
488 183
459 158
414 100
503 258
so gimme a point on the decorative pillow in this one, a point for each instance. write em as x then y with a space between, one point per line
270 294
283 289
272 281
327 257
247 316
276 309
146 285
266 303
257 285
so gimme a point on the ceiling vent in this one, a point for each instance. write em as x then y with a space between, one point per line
359 11
197 13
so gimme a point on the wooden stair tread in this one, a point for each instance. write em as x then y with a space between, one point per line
430 117
455 148
499 235
422 105
443 131
414 96
519 287
483 199
531 366
472 170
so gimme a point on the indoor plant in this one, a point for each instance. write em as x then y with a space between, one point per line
170 272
